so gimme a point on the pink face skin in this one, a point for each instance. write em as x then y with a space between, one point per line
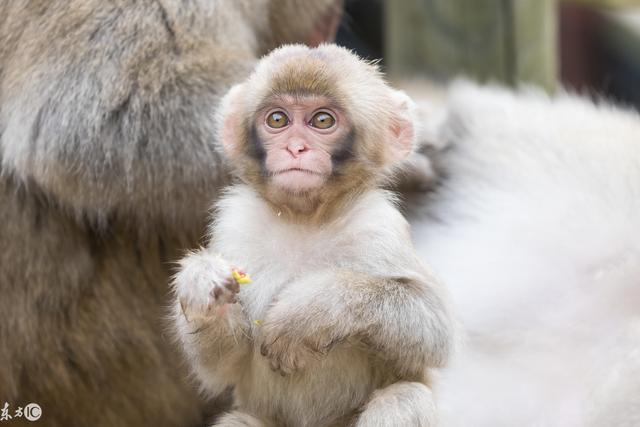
298 154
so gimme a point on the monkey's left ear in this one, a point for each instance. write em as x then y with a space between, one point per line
401 128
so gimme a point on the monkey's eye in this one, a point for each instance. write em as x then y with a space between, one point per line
277 120
322 120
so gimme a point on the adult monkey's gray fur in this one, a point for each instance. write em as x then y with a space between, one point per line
106 126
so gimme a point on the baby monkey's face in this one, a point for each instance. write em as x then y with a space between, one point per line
311 128
303 137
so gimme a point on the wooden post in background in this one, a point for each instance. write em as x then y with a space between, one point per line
510 41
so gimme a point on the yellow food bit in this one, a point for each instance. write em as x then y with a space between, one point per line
241 278
257 322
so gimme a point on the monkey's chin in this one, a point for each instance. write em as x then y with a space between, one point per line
296 181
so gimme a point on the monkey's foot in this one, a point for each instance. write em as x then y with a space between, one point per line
205 285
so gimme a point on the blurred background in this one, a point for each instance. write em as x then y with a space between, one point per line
588 46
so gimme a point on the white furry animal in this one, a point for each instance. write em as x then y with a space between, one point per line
342 323
536 230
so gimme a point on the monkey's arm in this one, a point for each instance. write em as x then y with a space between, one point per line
403 319
209 323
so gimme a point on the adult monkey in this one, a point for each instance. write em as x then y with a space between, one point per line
106 121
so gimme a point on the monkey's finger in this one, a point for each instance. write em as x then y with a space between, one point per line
273 365
268 344
232 285
282 368
264 350
216 292
326 346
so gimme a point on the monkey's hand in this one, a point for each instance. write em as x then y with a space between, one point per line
291 338
204 285
288 349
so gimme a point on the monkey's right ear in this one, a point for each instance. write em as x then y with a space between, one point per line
230 121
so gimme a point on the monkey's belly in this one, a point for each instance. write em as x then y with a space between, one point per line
326 389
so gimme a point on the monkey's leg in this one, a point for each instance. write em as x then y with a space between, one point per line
401 404
240 419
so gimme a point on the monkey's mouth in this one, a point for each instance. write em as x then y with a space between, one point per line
298 180
303 170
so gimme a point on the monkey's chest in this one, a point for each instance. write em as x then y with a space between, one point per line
273 285
278 262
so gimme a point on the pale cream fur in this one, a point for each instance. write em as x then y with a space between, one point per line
314 287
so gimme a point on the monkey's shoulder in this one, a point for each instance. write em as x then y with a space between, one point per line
376 209
241 209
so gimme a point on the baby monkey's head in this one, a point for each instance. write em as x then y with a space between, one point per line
313 126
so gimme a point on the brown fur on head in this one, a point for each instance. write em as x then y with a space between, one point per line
379 121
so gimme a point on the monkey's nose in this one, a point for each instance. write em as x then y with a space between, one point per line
296 147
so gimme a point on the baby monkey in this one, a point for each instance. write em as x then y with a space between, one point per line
342 322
